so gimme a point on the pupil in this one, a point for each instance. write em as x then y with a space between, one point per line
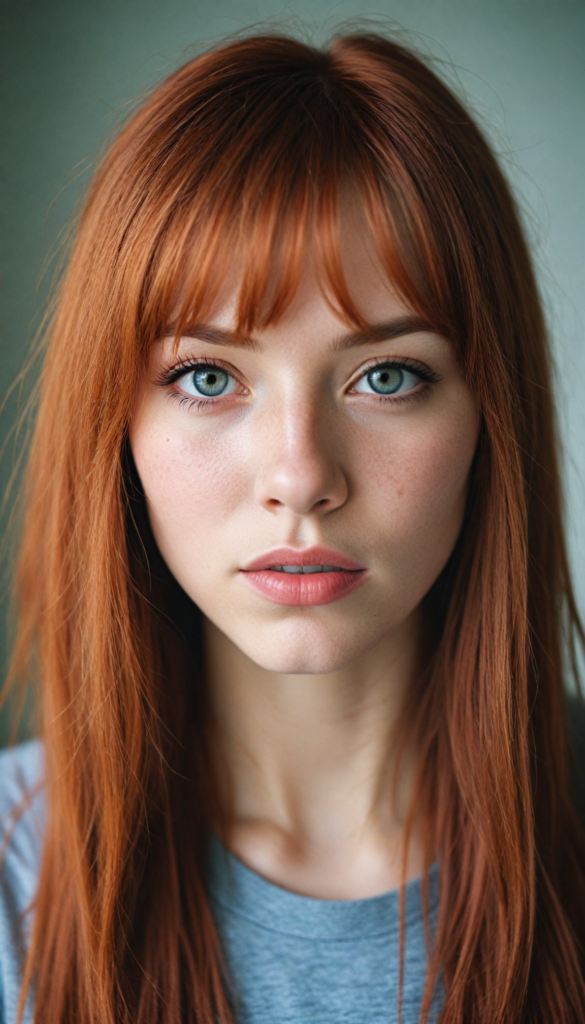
210 382
385 380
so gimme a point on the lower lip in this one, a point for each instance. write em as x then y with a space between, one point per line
304 589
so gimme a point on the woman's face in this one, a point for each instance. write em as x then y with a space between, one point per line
310 447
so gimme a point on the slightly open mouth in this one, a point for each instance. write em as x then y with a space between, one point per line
303 585
305 569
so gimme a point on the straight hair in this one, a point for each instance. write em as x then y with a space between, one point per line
240 159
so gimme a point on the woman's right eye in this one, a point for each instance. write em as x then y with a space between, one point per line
207 381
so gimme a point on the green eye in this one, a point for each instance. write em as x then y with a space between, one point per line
207 381
210 382
387 379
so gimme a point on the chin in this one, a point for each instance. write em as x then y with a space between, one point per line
305 649
298 663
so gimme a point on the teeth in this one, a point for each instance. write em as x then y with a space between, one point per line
305 568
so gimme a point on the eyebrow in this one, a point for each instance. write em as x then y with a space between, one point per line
214 335
384 332
387 331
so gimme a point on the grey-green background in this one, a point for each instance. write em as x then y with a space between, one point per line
69 67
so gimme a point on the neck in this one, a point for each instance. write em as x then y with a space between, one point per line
317 796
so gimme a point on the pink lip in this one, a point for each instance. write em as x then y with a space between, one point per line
303 589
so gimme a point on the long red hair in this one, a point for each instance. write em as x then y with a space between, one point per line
243 153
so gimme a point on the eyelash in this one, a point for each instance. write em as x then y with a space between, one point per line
426 375
169 377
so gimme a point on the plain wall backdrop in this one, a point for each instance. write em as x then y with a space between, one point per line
68 69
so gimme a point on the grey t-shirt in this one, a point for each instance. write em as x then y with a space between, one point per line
297 960
290 959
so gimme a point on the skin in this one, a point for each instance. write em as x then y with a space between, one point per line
305 698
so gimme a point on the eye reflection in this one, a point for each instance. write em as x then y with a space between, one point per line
208 381
387 379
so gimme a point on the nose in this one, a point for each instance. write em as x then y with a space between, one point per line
303 472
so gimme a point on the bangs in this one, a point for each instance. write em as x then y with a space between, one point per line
262 203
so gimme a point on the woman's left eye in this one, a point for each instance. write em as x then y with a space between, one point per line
207 381
387 379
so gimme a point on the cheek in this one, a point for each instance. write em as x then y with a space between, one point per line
192 483
418 488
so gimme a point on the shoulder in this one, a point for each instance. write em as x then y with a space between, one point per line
22 819
21 769
21 804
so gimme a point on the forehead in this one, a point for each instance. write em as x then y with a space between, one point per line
339 281
312 303
314 296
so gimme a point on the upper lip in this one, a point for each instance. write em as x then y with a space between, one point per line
302 556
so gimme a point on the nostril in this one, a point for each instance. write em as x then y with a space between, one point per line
301 484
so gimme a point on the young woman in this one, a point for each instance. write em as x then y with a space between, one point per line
293 585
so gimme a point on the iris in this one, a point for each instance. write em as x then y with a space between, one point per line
385 380
210 381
